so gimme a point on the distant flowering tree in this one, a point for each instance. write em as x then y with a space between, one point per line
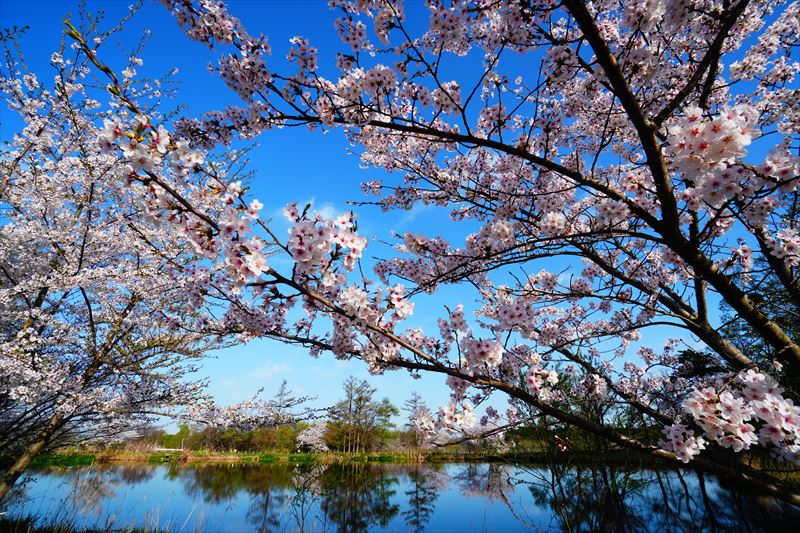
249 415
620 149
243 416
312 439
414 405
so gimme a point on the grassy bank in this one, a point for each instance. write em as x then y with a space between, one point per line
72 458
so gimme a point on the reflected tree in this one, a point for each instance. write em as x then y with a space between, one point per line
270 491
91 487
489 481
590 498
220 483
358 496
607 498
426 482
136 474
214 484
307 497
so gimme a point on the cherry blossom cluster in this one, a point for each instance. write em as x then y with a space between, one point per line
448 97
748 410
322 250
144 145
561 64
458 421
352 33
458 387
703 149
758 58
146 148
448 28
682 442
398 301
783 166
303 54
643 14
786 245
482 352
378 80
540 381
593 387
515 313
245 73
211 24
312 240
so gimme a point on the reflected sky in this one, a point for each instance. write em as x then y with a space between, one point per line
388 497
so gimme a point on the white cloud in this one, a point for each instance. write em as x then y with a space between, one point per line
328 210
411 215
270 371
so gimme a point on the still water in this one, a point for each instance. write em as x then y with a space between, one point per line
390 497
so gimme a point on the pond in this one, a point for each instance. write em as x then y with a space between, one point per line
390 497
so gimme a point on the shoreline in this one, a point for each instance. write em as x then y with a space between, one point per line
99 458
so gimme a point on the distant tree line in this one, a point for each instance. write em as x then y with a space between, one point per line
358 422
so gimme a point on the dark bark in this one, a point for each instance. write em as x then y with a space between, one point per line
11 476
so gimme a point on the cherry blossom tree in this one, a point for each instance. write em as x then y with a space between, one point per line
414 406
312 438
649 146
96 334
283 408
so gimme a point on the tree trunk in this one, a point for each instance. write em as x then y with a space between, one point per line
12 474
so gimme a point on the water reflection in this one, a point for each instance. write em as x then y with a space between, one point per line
425 483
306 497
488 481
386 497
601 498
358 497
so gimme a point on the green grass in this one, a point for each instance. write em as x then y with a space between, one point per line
302 458
29 524
63 459
383 458
161 458
76 459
